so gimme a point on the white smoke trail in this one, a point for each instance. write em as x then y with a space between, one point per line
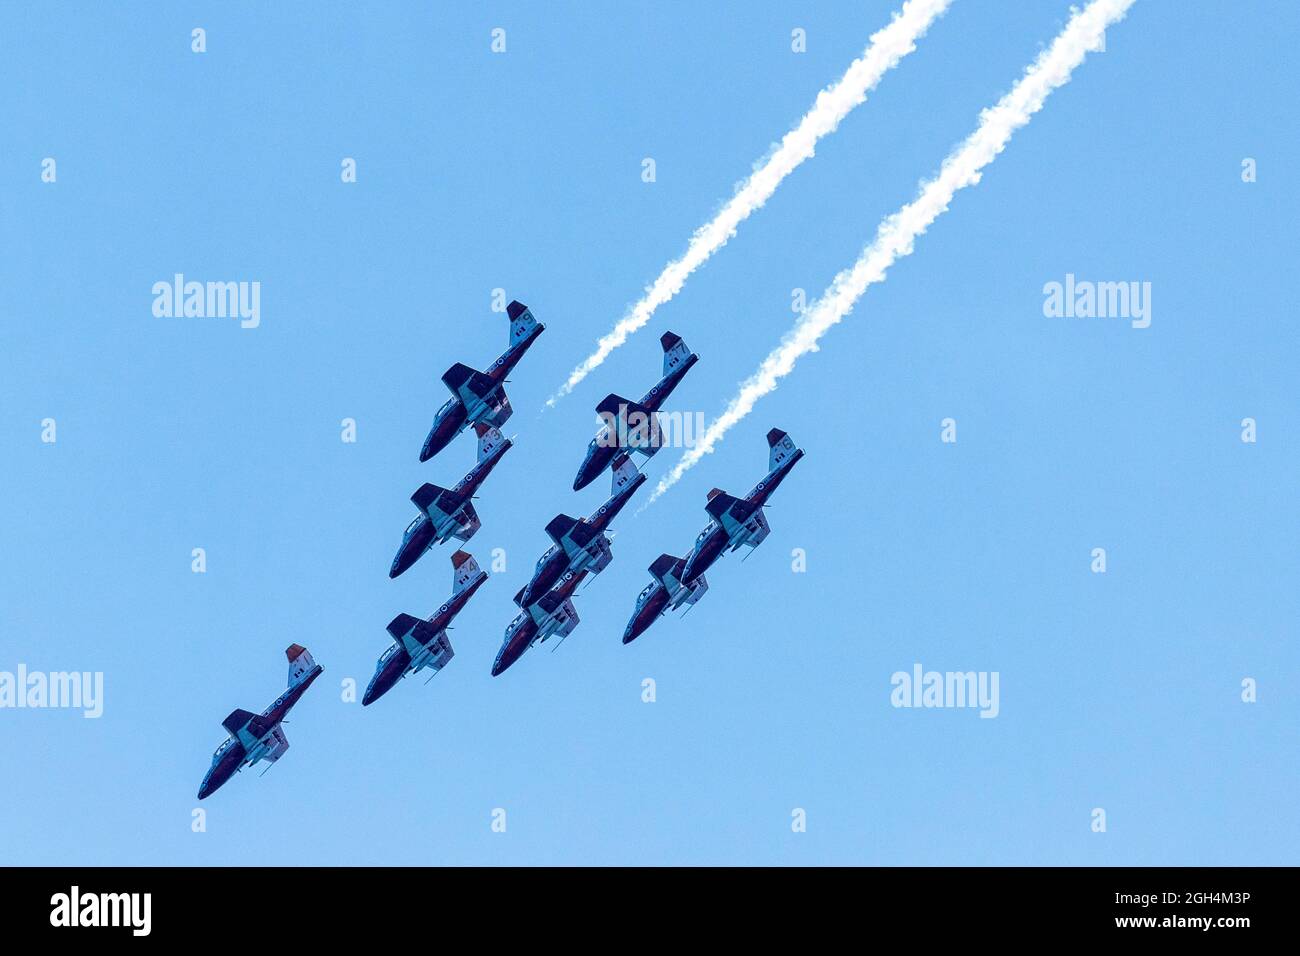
895 236
886 48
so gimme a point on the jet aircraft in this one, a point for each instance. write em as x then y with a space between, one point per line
739 521
419 644
666 593
635 425
479 398
581 544
553 613
449 513
255 737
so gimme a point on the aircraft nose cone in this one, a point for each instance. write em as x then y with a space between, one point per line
588 472
636 627
400 564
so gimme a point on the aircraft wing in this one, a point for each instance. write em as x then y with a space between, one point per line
237 721
501 411
471 386
632 425
577 538
442 652
437 502
667 570
731 512
276 744
402 625
561 612
469 522
755 530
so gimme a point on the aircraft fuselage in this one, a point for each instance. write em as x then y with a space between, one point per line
236 754
601 452
525 630
712 542
453 418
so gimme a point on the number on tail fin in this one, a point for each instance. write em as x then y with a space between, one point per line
522 322
675 351
780 447
465 571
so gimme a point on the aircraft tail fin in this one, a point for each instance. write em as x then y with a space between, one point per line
522 322
780 447
465 570
624 472
489 440
300 663
675 351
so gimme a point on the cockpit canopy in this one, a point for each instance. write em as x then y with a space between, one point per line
644 596
415 523
226 745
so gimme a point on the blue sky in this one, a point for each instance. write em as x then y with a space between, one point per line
522 171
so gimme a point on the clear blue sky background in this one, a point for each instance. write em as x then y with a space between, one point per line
522 171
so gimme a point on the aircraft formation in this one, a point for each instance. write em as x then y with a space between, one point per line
580 549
